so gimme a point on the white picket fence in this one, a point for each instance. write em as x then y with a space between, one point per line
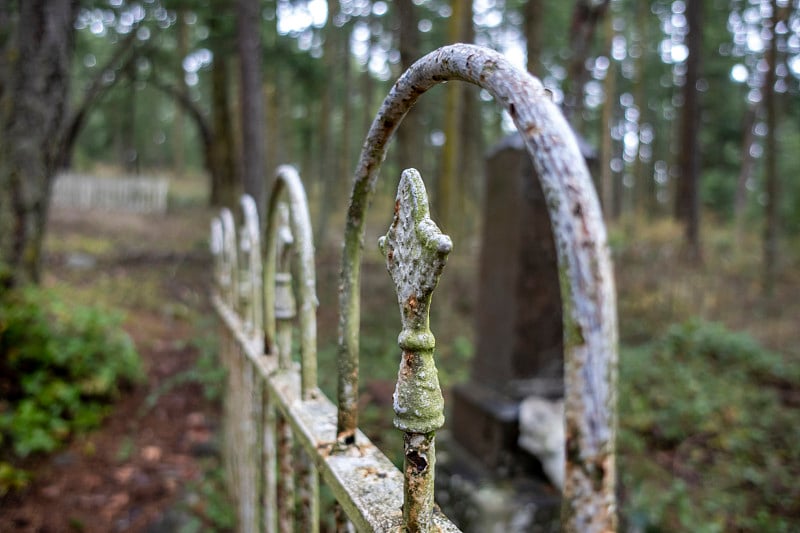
138 195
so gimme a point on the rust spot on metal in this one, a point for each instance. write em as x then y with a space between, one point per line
325 448
346 437
419 462
407 366
532 130
368 471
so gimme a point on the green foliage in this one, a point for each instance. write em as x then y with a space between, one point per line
207 372
210 503
12 479
707 442
61 366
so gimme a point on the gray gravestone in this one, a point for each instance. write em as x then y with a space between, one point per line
518 313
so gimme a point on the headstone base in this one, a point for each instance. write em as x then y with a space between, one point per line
478 500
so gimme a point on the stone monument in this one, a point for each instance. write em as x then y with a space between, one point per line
488 479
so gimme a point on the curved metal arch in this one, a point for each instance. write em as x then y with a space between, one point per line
587 284
230 267
288 181
251 247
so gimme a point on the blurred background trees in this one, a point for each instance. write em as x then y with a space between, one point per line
691 106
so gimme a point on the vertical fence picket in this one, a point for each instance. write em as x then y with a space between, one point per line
269 463
308 494
289 228
416 252
285 312
285 493
251 304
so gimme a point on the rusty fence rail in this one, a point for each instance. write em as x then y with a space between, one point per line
283 436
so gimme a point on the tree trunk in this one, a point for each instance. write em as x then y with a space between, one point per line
472 162
128 154
446 198
409 137
746 169
178 123
327 168
345 162
223 159
248 17
607 117
687 200
534 18
585 17
771 160
36 43
276 148
642 172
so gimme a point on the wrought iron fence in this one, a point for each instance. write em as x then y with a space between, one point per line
283 435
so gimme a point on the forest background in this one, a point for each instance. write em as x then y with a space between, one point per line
689 112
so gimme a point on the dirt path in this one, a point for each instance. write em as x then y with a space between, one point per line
153 463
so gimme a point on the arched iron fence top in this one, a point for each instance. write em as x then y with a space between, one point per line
288 184
230 267
251 251
587 285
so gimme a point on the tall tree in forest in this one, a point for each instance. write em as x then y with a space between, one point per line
687 198
128 153
36 42
471 163
642 177
248 17
586 15
223 165
534 23
606 119
771 155
273 95
446 200
178 123
327 168
408 135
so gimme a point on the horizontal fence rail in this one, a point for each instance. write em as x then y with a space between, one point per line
139 195
283 436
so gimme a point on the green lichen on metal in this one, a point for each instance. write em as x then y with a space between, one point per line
416 252
573 335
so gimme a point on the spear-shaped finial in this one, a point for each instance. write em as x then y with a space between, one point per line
416 252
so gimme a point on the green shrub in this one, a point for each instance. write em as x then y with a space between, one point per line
60 366
706 440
